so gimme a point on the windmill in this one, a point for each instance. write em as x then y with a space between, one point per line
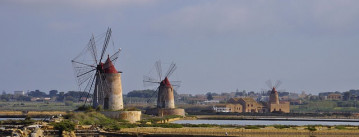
273 97
164 91
101 79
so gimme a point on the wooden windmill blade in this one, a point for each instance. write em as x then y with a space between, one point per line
158 67
269 84
171 69
277 84
88 66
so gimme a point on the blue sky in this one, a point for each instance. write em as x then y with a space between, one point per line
219 46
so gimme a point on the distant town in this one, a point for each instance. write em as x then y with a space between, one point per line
235 102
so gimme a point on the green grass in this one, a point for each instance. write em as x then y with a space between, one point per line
281 126
253 126
65 125
37 106
340 127
95 118
311 128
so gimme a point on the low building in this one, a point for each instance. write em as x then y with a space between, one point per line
246 104
250 105
281 107
274 105
210 102
19 93
334 96
228 108
221 108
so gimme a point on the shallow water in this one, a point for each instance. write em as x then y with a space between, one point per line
263 122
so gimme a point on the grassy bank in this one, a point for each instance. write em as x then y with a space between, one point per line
38 106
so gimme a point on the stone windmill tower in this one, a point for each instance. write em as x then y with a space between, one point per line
273 96
165 98
102 80
274 105
164 91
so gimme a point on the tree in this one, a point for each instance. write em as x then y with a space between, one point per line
141 93
53 93
37 93
60 97
209 96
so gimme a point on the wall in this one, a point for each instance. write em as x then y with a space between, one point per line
284 107
130 116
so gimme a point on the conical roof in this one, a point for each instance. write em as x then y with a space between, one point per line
108 67
165 82
274 90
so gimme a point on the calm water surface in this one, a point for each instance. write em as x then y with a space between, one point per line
263 122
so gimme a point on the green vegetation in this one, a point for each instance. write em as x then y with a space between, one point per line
254 126
95 118
37 106
92 118
69 103
25 122
85 108
326 106
311 128
65 125
340 127
281 126
141 93
155 120
200 125
131 109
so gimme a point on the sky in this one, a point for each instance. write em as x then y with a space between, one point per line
218 45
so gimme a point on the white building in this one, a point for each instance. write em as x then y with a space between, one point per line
19 93
221 108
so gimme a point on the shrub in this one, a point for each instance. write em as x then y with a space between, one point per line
131 109
69 103
64 125
85 108
281 126
340 127
311 128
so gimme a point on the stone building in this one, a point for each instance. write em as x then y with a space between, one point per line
334 96
243 105
274 105
228 108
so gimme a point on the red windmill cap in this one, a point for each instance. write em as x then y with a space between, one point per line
165 82
274 90
108 67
